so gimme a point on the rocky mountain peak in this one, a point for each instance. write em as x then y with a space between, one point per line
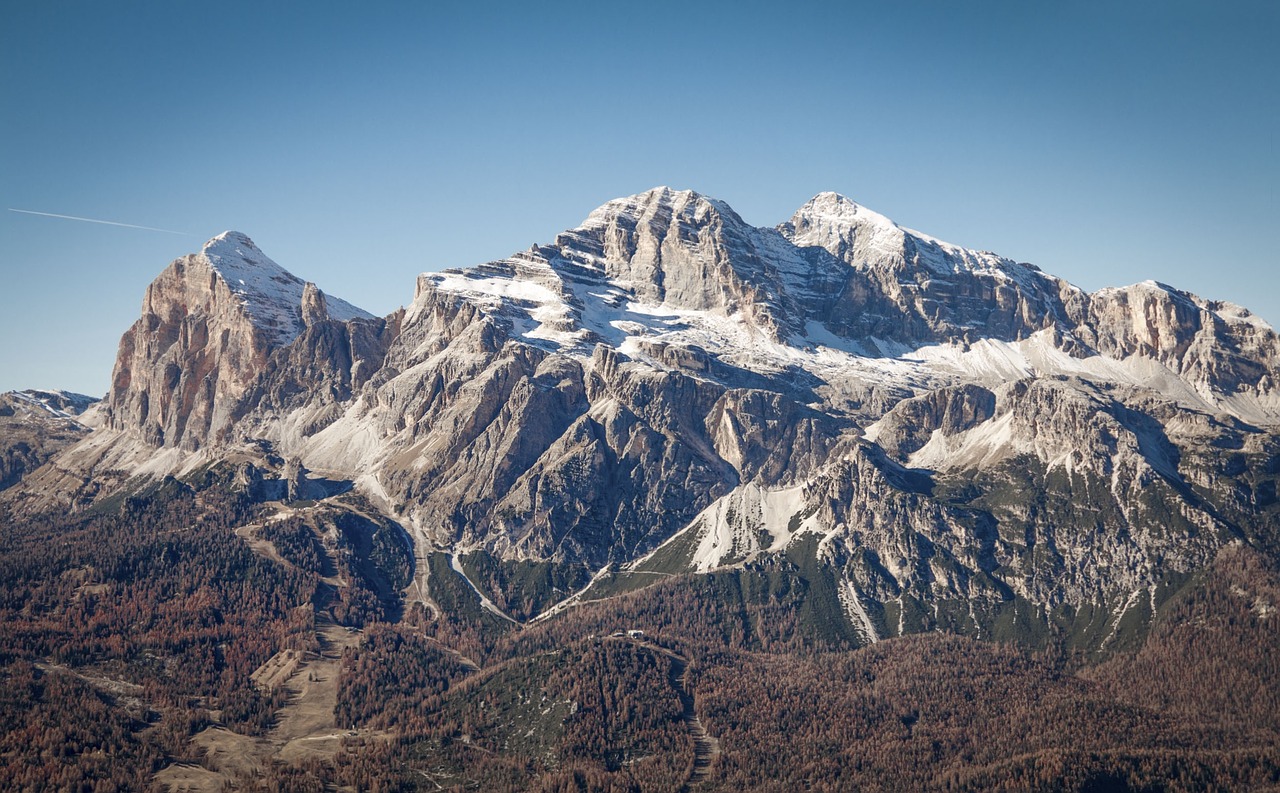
836 212
847 230
662 203
672 246
871 241
209 323
232 245
272 296
632 262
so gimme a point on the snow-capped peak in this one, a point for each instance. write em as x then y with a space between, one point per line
848 230
865 238
661 200
244 267
271 295
232 243
840 211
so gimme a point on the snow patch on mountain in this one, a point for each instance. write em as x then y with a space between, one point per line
485 602
740 525
55 402
983 446
851 601
271 295
1230 312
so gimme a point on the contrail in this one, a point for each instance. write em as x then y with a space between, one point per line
104 222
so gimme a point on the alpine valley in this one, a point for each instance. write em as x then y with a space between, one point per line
668 503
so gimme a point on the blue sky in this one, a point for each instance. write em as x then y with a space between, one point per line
362 144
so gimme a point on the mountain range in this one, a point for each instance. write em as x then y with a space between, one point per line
668 388
890 433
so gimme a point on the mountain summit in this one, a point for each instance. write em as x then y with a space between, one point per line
272 297
208 324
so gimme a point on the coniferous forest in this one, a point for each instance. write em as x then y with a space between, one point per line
141 639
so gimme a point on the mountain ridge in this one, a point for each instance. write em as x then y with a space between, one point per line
666 388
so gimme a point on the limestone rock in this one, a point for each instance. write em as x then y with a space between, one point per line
209 324
314 306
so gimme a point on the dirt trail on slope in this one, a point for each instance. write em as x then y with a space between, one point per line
706 747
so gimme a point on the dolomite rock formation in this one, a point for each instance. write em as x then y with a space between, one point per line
906 286
209 323
1217 348
315 307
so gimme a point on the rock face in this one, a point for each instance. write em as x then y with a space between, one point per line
947 434
949 410
906 286
315 308
208 325
1221 350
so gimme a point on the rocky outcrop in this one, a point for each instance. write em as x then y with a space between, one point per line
1218 348
311 380
502 445
905 286
315 308
1084 490
911 423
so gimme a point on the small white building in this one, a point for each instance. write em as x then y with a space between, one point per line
636 633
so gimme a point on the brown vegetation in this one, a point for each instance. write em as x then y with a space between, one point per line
123 635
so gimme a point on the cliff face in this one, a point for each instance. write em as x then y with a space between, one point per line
906 286
667 388
186 360
1221 350
209 323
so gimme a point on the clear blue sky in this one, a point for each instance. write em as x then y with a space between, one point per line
360 144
